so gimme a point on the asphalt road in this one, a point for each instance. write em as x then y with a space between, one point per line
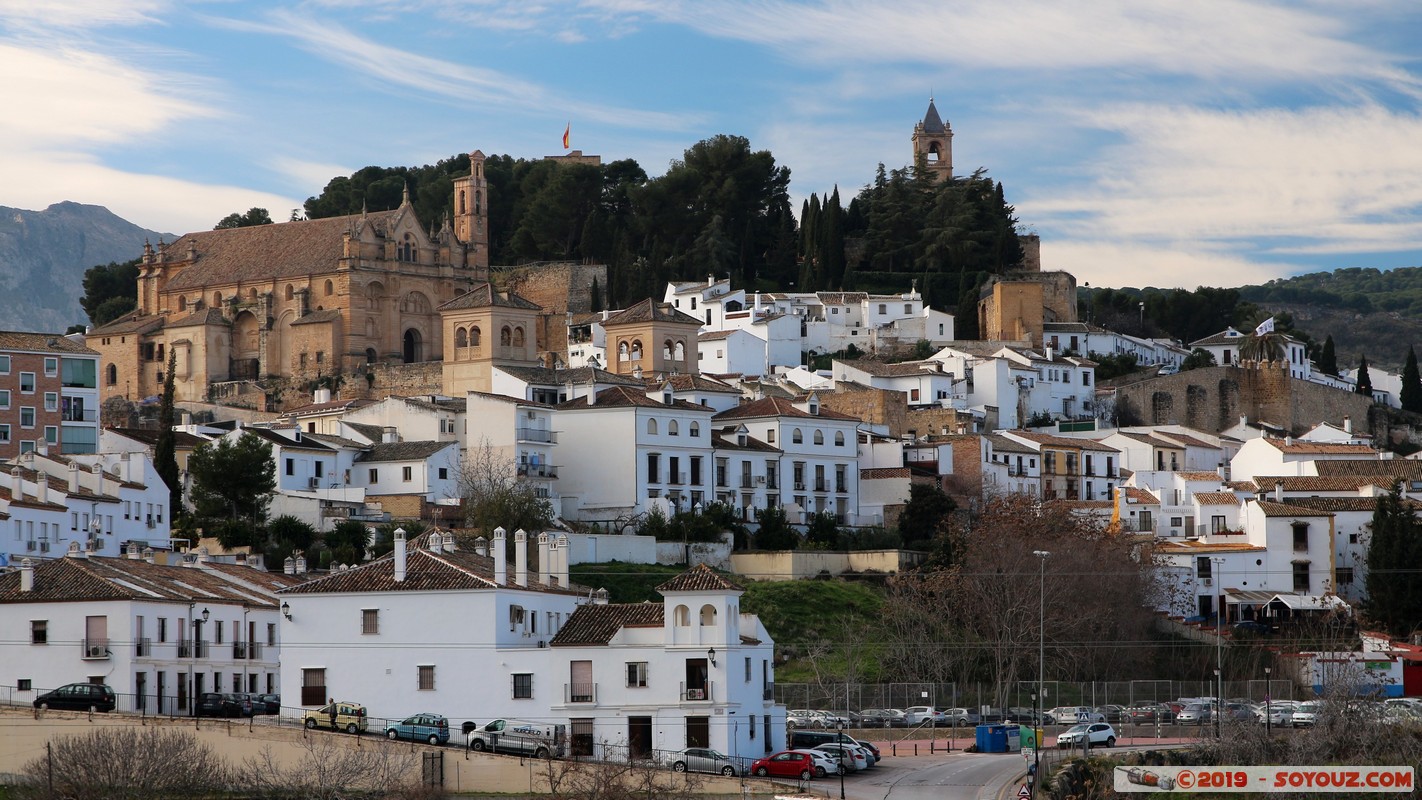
957 776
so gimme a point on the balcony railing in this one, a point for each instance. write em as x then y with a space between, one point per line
143 648
537 471
96 650
80 415
536 435
697 693
747 482
246 650
841 487
821 485
768 692
188 650
580 692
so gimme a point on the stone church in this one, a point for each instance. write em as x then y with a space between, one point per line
297 300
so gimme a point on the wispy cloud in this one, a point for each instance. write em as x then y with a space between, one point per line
1105 263
79 14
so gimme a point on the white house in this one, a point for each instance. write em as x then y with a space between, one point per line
518 432
1290 456
735 351
922 383
1225 346
158 635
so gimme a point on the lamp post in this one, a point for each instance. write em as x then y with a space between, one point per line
1268 712
246 651
1219 642
1042 556
843 751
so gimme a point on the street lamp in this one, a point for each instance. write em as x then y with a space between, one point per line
1219 641
843 751
1268 712
1042 555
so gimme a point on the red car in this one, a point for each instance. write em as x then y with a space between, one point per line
786 764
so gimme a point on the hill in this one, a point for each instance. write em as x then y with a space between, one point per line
43 256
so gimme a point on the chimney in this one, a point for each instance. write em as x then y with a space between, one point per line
562 570
435 542
449 545
551 578
148 554
389 436
399 555
300 565
1289 440
202 555
592 395
1222 471
73 477
42 447
481 546
1278 491
545 571
187 419
1050 353
1243 420
101 480
501 566
521 557
600 597
1347 424
17 485
132 553
289 566
27 575
75 552
757 304
322 395
710 280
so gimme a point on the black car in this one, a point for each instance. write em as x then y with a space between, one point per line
224 704
266 703
79 697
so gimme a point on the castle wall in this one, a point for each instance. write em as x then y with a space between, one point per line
560 289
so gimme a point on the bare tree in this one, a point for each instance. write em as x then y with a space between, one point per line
618 780
331 769
495 495
124 764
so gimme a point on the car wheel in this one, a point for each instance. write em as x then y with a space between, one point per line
679 766
729 771
806 775
434 739
477 744
93 709
541 752
311 723
790 723
1110 741
820 772
42 706
392 735
762 771
351 728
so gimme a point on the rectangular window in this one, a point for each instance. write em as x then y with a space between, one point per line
370 621
162 629
407 474
4 434
320 469
27 383
637 674
51 402
4 399
653 461
27 416
313 686
523 686
1300 538
1345 576
79 373
748 669
39 631
271 634
24 685
444 473
291 466
425 677
374 475
1217 524
51 366
1301 577
51 434
4 365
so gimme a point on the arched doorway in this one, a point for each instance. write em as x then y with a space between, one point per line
412 346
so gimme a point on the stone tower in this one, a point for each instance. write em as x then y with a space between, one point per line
933 143
471 212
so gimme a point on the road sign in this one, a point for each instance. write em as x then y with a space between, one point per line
1024 792
1027 753
1082 716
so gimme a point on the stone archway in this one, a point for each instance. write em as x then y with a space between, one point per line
413 346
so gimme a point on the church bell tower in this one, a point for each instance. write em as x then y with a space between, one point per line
471 212
933 144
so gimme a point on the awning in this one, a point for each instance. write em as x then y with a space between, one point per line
1309 602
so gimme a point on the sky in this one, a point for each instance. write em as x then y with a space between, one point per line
1169 143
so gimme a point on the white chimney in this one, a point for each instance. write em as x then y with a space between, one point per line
17 485
101 480
710 280
501 566
521 557
289 566
1278 491
435 542
545 570
42 447
148 554
1347 424
74 551
553 556
481 546
399 555
600 597
202 555
562 569
389 436
1243 420
73 477
300 565
27 575
322 395
1050 353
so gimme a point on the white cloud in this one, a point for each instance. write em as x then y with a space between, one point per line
74 14
1112 264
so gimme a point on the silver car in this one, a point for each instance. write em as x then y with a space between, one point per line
702 759
853 758
1193 714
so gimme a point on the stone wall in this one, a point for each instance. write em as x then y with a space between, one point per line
560 288
874 406
790 565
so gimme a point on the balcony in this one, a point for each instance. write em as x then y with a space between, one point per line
768 693
143 648
840 487
580 692
188 650
821 485
536 435
747 482
246 651
537 471
96 650
80 415
698 693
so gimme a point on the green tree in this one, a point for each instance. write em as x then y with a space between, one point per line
254 216
1328 358
110 290
1394 559
1268 347
1364 380
348 541
232 480
927 507
1199 357
289 534
822 530
775 532
165 451
1410 395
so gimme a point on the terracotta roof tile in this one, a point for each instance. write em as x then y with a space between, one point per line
132 322
650 310
1320 448
1200 476
485 295
1321 483
900 369
1403 468
883 473
598 624
544 376
42 342
317 317
627 397
777 407
1289 510
105 578
1138 495
403 451
1216 498
699 578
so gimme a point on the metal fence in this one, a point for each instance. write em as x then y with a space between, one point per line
860 696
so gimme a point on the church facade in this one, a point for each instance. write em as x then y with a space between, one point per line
303 300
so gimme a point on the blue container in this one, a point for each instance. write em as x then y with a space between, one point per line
992 738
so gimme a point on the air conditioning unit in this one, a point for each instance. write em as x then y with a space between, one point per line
30 545
695 694
760 480
313 483
542 643
1209 582
95 651
44 547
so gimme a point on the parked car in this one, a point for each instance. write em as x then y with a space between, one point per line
875 717
833 720
1238 712
1194 714
224 704
890 717
1022 716
785 764
1150 713
1097 732
1112 713
348 717
852 757
872 748
808 740
825 763
79 697
267 704
920 715
702 759
1070 715
958 716
1251 627
537 739
431 728
1306 715
1280 713
801 718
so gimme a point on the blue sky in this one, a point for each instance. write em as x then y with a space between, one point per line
1215 142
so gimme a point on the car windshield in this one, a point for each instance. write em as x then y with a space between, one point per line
1076 729
714 754
1309 708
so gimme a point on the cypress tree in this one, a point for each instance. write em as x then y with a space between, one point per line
165 455
1394 555
1328 359
1365 382
1411 394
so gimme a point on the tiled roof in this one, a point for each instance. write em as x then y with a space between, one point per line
692 383
1140 496
883 473
1321 483
150 437
627 397
484 295
203 316
1070 443
725 439
1242 486
339 442
650 310
543 376
323 408
699 578
1320 448
932 123
263 252
372 432
1216 498
1287 510
1226 336
317 317
777 407
1198 547
458 405
424 571
596 624
841 298
1200 476
45 342
1189 441
1340 504
132 322
711 336
277 439
403 451
1402 468
901 369
1002 444
105 578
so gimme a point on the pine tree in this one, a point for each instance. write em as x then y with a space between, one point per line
1328 359
165 456
1411 394
1394 556
1364 382
595 296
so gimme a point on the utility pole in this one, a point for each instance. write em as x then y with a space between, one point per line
1042 555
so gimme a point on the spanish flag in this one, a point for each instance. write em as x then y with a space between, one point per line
566 131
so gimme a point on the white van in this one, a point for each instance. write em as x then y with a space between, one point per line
536 739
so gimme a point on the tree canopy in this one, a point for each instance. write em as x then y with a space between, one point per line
110 291
232 480
1394 559
254 216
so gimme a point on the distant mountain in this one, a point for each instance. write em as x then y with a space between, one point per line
43 255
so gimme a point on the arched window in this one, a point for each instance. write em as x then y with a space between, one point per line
330 288
478 202
796 437
682 616
652 425
474 336
461 201
708 615
505 336
252 295
678 351
518 336
461 337
290 291
667 349
216 299
673 429
621 351
636 349
112 374
370 355
839 438
182 303
819 436
695 430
